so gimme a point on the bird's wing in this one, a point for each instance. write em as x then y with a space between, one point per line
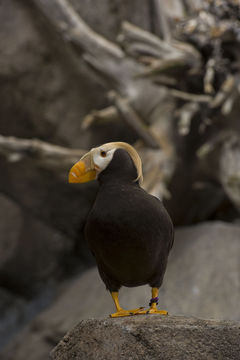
171 227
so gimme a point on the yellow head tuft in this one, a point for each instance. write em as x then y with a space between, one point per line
131 151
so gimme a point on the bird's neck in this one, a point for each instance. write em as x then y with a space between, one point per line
118 176
116 181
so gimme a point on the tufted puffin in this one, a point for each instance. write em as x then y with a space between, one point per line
128 230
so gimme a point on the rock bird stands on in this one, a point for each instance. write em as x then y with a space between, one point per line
128 230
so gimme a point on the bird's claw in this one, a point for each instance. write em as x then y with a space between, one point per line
123 312
156 311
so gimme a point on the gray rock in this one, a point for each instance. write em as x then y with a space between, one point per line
150 337
32 257
48 196
202 280
11 314
16 312
203 276
31 252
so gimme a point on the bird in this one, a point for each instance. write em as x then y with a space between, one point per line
128 230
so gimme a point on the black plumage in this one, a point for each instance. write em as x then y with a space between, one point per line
129 231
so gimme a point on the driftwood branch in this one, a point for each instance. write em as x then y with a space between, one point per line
105 57
185 115
133 120
102 54
109 114
158 167
209 76
136 42
71 26
224 91
228 94
162 20
214 143
161 66
45 154
190 97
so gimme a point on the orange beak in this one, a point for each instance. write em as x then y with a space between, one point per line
81 172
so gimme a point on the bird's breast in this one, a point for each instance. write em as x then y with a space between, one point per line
126 232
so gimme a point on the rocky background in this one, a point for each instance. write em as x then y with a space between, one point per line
162 75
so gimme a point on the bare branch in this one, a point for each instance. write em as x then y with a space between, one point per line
228 104
158 167
66 21
161 66
138 42
162 20
162 79
133 120
46 154
104 55
106 115
209 76
225 89
185 114
108 59
213 143
190 97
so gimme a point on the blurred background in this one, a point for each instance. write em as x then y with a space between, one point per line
162 75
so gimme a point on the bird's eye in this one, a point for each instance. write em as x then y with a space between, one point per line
103 153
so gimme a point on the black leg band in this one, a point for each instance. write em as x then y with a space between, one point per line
153 300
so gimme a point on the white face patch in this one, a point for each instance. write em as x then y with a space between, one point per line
102 158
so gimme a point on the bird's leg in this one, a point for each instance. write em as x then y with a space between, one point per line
153 304
120 311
